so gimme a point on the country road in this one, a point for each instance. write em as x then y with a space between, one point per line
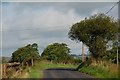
64 73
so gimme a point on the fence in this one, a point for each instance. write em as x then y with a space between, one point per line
9 68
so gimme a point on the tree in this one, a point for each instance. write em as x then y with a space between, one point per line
95 32
111 54
26 54
56 52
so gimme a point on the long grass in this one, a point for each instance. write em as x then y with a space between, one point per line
24 73
103 69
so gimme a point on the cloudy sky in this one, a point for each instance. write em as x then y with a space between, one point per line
45 23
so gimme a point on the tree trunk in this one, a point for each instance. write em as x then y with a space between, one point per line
32 62
27 64
22 64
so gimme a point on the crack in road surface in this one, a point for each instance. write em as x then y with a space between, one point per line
64 73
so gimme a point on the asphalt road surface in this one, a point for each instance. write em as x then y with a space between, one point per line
64 73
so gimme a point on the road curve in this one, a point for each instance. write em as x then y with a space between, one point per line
64 73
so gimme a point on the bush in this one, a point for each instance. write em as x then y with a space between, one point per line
77 61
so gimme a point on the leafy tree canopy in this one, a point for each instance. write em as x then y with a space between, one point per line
95 32
56 52
25 54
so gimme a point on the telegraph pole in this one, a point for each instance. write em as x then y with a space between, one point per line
82 52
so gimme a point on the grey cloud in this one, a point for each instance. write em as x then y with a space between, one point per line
81 8
23 25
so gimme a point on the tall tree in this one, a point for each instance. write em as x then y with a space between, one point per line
56 52
26 54
95 32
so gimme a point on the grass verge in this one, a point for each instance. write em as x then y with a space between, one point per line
99 72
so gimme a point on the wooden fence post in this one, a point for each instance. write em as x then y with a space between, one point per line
4 70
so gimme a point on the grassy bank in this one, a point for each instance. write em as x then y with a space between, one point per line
36 71
106 70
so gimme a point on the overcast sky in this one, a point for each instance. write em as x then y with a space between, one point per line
45 23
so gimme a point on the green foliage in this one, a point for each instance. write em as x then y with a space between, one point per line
25 54
111 55
56 52
77 61
95 32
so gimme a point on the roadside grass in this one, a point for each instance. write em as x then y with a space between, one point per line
101 71
24 73
98 71
36 71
